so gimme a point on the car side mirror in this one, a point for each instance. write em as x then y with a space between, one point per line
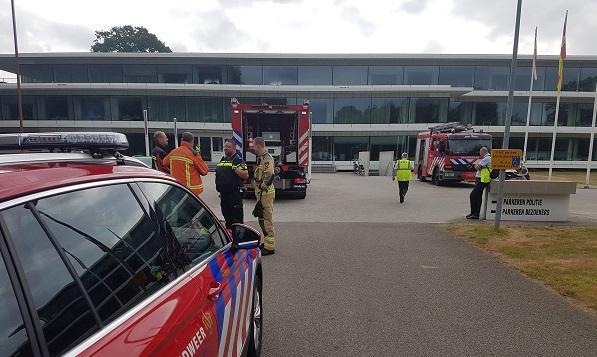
244 237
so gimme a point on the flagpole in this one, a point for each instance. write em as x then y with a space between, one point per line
553 138
588 180
526 128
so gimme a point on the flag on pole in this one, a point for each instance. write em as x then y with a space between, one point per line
535 57
562 55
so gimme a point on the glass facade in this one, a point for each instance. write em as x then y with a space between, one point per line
66 73
456 76
428 110
245 74
322 110
175 73
105 73
386 75
350 75
315 75
421 75
280 75
140 73
389 110
210 74
491 77
352 110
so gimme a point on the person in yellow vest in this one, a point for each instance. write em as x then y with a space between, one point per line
265 193
403 174
482 180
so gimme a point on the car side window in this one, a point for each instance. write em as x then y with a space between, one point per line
112 244
193 226
13 337
64 315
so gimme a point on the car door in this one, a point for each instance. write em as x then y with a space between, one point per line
224 285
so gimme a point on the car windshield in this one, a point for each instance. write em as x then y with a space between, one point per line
467 146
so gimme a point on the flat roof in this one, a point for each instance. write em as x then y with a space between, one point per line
7 61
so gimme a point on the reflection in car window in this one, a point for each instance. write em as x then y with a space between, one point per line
64 315
112 244
13 337
193 226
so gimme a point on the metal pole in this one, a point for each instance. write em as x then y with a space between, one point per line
506 142
526 128
175 133
19 96
553 138
588 180
145 120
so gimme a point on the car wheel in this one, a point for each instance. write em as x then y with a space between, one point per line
256 330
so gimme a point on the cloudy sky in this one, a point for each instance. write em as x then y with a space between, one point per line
307 26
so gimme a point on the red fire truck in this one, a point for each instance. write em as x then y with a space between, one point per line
447 153
287 133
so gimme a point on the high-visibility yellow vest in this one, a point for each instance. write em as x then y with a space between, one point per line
486 172
403 172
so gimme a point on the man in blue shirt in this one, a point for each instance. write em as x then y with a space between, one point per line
482 180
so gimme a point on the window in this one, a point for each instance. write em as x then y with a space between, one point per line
67 73
37 73
588 79
10 107
279 75
389 110
585 114
322 110
491 77
460 112
569 82
196 231
347 148
279 101
105 73
65 316
130 108
429 110
113 245
382 143
205 110
57 108
490 113
175 73
456 76
142 73
92 108
550 114
385 75
167 108
421 75
314 75
520 111
245 74
350 75
13 337
352 110
209 74
322 148
522 81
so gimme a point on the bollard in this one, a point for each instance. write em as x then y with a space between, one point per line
485 199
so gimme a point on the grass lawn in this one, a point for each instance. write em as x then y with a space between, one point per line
564 258
565 175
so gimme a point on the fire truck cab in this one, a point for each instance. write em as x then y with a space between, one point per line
447 153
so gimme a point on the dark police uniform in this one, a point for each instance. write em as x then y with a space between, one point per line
157 156
229 185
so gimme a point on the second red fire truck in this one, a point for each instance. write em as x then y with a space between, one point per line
447 153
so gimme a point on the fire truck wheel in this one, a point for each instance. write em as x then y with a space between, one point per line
435 178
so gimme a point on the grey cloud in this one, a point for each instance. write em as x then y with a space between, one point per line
36 34
251 2
221 33
415 6
548 16
352 15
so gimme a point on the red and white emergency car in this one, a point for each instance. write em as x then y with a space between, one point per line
102 256
447 153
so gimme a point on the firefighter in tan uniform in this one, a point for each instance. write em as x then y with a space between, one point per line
265 193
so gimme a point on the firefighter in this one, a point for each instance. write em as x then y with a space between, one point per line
158 153
231 171
265 194
186 164
403 174
482 180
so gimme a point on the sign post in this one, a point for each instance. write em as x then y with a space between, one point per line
146 132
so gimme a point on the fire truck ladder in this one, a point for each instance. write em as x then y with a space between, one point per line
453 127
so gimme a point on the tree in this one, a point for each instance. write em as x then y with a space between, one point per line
127 39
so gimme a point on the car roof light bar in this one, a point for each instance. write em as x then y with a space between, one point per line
92 141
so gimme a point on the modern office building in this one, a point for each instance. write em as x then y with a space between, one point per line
358 102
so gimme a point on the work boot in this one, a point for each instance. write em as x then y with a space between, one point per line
265 252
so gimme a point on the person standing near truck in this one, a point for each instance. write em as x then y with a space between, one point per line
265 193
231 171
403 174
482 180
186 165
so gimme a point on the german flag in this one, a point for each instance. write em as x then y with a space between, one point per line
562 56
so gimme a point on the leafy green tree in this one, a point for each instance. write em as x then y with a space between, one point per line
127 39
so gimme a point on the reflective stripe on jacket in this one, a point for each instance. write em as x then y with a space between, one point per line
486 172
187 167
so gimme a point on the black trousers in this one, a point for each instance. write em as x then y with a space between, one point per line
476 197
232 207
402 189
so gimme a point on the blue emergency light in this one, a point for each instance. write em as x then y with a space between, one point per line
92 141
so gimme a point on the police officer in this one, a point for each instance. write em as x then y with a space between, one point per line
403 174
158 153
265 193
231 171
482 180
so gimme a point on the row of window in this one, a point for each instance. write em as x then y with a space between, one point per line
479 77
325 110
114 248
346 148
